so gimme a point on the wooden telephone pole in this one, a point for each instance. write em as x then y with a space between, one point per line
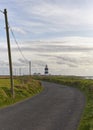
29 68
9 53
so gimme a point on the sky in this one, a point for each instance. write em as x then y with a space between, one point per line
58 33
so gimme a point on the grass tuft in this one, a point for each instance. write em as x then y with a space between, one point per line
24 87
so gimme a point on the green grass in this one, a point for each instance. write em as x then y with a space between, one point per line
24 87
86 86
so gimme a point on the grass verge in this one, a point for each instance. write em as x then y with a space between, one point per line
86 86
24 87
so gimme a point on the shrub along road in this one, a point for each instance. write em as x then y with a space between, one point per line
56 108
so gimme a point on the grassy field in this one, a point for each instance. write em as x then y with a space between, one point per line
86 86
24 87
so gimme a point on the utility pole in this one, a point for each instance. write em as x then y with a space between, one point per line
9 53
29 68
20 72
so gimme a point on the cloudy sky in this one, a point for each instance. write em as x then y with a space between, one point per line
58 33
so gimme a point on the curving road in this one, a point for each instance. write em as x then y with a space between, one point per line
56 108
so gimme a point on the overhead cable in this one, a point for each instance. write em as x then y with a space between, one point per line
18 45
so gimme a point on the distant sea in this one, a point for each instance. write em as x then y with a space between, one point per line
88 77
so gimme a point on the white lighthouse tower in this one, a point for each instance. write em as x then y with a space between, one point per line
46 70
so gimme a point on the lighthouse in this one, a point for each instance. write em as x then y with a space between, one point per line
46 70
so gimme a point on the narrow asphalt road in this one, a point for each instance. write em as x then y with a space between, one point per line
56 108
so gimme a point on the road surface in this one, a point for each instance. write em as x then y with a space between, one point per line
56 108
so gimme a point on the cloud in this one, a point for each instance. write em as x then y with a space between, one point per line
57 17
47 19
55 47
63 16
57 32
74 61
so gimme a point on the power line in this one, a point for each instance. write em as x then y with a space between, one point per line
16 41
21 51
18 45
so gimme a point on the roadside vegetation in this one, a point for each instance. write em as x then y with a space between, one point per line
86 86
24 87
